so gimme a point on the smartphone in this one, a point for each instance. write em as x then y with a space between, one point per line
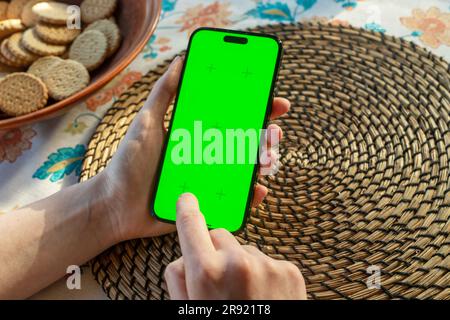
224 100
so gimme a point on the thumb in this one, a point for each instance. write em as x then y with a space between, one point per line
164 90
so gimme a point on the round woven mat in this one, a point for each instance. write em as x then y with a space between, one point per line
365 174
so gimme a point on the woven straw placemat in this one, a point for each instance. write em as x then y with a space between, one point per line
364 179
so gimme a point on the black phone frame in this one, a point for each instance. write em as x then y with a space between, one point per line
266 120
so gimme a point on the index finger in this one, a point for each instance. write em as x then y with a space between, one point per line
193 233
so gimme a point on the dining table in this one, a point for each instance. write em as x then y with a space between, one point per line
40 159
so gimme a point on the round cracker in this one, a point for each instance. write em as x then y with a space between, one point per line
29 18
10 26
66 78
22 93
93 10
18 50
5 61
15 8
32 42
3 10
42 65
90 49
9 58
54 34
111 31
52 12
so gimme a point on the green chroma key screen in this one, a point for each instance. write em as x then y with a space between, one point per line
225 90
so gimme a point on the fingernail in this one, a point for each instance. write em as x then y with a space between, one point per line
175 60
176 63
187 201
178 58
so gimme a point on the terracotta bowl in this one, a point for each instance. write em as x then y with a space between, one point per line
137 20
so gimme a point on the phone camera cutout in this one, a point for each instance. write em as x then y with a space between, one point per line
238 40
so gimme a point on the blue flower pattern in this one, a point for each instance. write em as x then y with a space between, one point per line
168 5
149 51
279 11
374 27
347 4
62 163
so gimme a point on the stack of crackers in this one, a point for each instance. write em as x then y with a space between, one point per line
45 55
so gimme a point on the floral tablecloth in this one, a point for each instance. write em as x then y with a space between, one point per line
38 160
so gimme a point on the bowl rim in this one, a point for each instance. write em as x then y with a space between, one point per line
56 108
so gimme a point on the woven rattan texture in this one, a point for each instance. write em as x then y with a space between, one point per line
364 178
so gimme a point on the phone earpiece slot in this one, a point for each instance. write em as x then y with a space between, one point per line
238 40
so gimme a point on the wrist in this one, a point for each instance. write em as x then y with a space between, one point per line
100 211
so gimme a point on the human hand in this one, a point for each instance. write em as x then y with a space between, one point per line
215 266
126 185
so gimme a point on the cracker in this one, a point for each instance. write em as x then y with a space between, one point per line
42 65
66 78
90 49
29 18
111 31
3 10
32 42
8 58
10 26
15 8
52 12
54 34
14 102
93 10
5 61
10 64
19 51
5 53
